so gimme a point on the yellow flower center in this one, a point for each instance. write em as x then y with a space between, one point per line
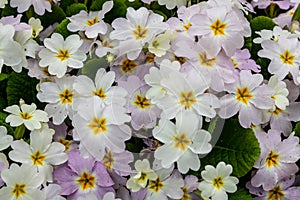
63 54
25 115
187 99
19 190
86 181
66 143
98 125
142 102
108 160
150 58
272 159
142 179
218 182
92 21
66 97
38 158
181 141
218 27
156 185
128 66
243 95
100 93
140 33
287 58
205 61
187 26
186 195
275 193
277 111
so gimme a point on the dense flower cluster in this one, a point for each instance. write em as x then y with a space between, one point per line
126 107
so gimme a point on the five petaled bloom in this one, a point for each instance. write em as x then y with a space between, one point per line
59 54
217 181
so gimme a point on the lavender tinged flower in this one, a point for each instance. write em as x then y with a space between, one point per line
83 176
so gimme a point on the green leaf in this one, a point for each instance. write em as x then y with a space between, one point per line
62 28
264 63
91 67
75 8
19 85
297 129
262 22
236 146
3 76
49 19
240 194
8 11
296 15
3 116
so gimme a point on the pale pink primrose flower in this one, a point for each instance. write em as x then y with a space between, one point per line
170 4
247 97
277 159
91 23
219 27
282 190
242 61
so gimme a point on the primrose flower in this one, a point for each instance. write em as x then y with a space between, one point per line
81 177
39 6
21 183
277 159
36 26
98 127
219 27
140 27
140 179
60 96
92 23
41 153
247 96
217 181
10 51
27 115
282 190
59 54
5 140
182 142
52 192
3 3
284 56
170 4
3 165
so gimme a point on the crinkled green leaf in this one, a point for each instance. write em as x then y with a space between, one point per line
65 3
262 22
8 11
91 67
20 85
236 146
240 194
119 9
62 28
3 76
75 8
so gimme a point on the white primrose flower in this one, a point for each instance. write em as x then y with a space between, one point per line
36 26
10 51
5 140
60 96
92 23
59 54
27 115
22 182
182 142
170 4
42 153
140 179
217 181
